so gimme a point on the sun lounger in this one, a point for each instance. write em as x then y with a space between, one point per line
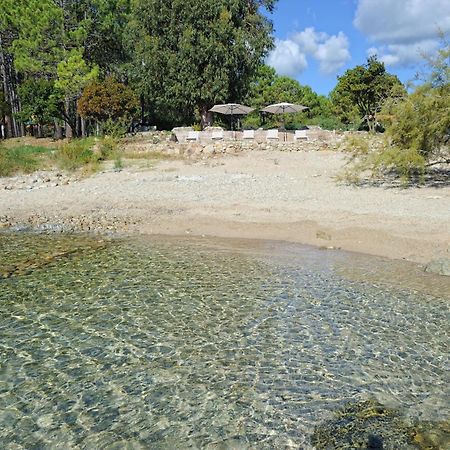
193 136
217 135
272 135
248 134
300 134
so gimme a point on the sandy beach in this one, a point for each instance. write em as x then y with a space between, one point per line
291 196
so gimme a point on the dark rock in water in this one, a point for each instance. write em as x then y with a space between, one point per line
439 267
368 425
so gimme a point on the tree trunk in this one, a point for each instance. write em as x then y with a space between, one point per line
69 130
206 117
58 130
83 127
142 100
8 127
9 77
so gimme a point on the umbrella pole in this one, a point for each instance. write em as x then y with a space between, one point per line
232 127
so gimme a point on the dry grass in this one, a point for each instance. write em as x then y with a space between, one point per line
31 141
150 155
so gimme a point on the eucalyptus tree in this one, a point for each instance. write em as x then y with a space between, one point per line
189 55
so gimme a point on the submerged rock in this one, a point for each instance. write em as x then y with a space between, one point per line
439 267
370 425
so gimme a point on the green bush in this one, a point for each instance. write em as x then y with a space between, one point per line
75 154
22 159
377 159
108 148
116 128
328 123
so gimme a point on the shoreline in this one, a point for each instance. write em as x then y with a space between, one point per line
268 195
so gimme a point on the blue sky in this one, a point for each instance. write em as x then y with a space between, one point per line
317 40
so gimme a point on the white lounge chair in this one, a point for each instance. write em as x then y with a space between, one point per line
272 135
248 134
300 134
193 136
217 135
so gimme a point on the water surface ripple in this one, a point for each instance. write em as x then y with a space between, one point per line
171 344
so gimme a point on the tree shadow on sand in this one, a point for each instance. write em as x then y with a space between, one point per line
437 178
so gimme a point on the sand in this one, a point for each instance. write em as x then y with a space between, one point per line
291 196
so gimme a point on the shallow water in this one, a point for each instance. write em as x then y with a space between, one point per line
170 343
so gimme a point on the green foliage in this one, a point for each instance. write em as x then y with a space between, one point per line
118 163
5 107
37 26
109 147
86 154
376 160
21 159
267 88
112 103
418 129
327 122
73 74
189 55
76 154
115 128
363 91
39 105
420 123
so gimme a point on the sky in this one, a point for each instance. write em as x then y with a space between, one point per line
318 40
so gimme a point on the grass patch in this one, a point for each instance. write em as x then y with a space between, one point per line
23 159
86 155
158 156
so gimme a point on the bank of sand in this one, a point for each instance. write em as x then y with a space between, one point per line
259 194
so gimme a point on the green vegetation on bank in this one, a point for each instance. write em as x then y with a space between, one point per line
417 136
86 154
22 159
102 67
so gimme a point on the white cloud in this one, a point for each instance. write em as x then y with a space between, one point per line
404 54
333 53
287 58
402 29
290 56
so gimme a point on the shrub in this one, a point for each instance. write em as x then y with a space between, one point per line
110 103
75 154
22 159
418 128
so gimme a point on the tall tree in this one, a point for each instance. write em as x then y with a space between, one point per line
8 74
192 54
39 104
62 41
365 88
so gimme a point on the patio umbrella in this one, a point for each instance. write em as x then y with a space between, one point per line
284 108
231 109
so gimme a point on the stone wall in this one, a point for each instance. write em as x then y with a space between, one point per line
180 135
176 144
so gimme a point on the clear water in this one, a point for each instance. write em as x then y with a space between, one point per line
165 343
